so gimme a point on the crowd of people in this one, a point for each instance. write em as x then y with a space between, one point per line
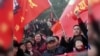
37 25
39 40
43 43
50 45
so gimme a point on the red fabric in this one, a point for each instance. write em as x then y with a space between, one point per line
57 29
68 18
31 13
6 14
96 11
26 14
67 54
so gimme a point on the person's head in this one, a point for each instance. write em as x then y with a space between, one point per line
79 46
51 43
38 38
76 30
29 45
22 46
15 47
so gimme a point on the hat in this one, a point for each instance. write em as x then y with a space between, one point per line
50 39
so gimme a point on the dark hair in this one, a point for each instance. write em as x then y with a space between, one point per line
29 42
26 48
68 45
21 44
80 38
15 44
47 32
20 52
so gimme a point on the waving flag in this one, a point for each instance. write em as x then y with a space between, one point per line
6 20
57 29
24 12
95 7
68 18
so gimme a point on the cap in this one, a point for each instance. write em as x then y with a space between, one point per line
50 39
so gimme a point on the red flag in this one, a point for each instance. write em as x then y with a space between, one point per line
6 19
57 29
34 8
25 12
95 7
68 19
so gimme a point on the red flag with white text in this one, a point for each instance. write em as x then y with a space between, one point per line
24 12
68 18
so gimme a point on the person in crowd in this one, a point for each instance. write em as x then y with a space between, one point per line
46 31
30 50
15 47
79 46
23 48
80 31
68 42
65 42
40 44
53 48
16 50
60 48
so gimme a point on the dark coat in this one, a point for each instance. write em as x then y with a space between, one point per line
57 51
71 42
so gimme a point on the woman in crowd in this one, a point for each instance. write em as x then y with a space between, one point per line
30 50
40 44
16 50
23 48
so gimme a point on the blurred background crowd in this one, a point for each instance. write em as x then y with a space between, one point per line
39 39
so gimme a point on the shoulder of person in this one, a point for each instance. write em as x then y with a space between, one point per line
61 47
46 53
